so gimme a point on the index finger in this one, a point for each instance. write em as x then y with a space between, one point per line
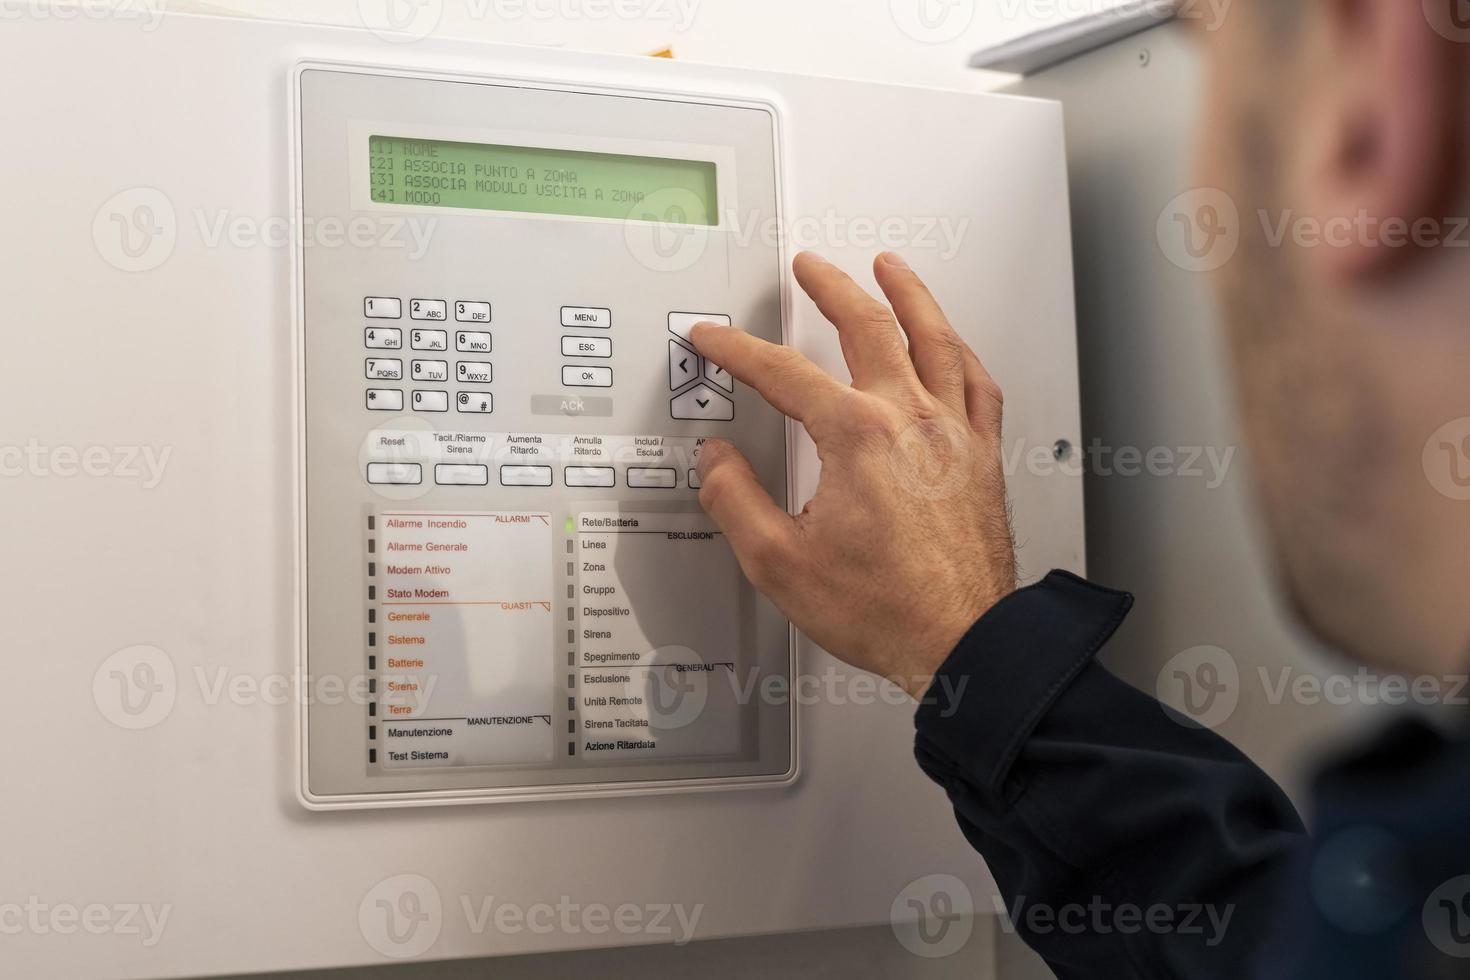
784 377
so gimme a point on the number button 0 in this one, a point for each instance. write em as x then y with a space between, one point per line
431 401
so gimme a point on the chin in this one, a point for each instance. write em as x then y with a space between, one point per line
1367 612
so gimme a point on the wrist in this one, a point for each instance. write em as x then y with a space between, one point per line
933 647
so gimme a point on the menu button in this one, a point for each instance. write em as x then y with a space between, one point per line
586 316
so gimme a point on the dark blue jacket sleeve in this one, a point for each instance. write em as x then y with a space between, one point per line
1126 842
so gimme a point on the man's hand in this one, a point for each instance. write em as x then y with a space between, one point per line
907 540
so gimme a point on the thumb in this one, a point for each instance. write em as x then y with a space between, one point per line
762 534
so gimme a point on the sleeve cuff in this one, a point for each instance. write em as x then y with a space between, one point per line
1008 671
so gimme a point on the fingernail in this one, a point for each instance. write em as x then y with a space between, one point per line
895 260
816 257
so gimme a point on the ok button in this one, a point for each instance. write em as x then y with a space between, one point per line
574 376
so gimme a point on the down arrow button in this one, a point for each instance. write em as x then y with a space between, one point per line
702 402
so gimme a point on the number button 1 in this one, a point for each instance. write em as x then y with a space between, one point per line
382 308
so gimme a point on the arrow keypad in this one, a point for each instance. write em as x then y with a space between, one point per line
697 382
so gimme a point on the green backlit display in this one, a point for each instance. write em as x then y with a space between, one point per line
533 180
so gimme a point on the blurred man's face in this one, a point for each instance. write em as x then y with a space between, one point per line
1338 128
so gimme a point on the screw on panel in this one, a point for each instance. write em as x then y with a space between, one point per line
1061 450
1144 57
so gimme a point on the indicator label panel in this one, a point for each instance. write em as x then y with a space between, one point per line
643 582
466 636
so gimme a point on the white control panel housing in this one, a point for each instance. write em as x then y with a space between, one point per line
501 434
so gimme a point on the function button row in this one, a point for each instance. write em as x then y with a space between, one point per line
528 475
523 475
391 308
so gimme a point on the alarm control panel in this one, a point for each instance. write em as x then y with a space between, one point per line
506 572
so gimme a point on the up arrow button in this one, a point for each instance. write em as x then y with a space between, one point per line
681 323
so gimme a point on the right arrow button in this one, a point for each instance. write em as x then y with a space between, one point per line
702 402
713 372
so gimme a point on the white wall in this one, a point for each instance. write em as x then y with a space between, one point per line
863 39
